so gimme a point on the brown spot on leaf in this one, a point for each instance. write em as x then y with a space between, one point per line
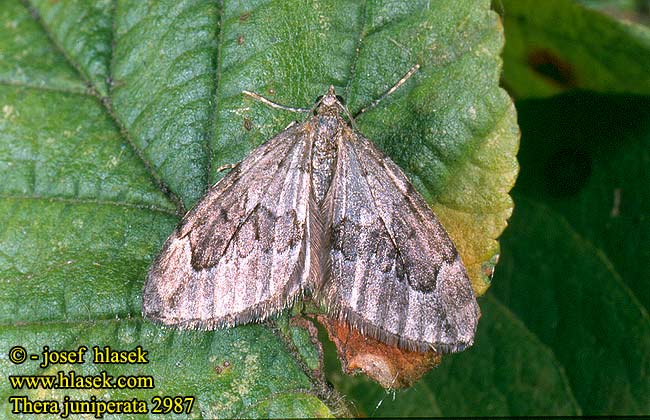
220 369
390 366
240 39
244 17
548 64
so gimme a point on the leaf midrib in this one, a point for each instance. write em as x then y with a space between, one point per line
106 103
81 201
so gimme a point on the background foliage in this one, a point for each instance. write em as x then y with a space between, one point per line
116 114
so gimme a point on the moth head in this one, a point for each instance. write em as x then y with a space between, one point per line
330 103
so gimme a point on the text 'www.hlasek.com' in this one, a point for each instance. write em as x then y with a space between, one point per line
72 392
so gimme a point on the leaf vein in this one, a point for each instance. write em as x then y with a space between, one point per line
81 92
78 201
105 101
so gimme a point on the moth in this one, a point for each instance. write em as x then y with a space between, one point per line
318 210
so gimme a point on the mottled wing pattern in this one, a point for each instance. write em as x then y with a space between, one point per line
241 253
394 272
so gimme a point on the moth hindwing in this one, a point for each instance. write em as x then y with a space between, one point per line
317 210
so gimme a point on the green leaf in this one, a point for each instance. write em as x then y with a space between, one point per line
583 288
164 85
558 45
28 58
116 115
81 30
587 157
570 296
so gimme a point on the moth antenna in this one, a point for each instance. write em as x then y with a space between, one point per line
397 85
393 383
274 104
348 114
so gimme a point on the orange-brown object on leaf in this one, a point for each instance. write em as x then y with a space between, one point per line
390 366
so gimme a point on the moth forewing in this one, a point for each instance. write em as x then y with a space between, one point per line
242 253
395 274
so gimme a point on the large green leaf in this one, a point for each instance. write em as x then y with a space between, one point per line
588 159
584 203
568 294
116 116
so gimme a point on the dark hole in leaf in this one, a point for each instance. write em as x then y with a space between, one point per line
549 65
567 171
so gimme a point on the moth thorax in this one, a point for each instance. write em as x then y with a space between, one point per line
329 108
324 151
